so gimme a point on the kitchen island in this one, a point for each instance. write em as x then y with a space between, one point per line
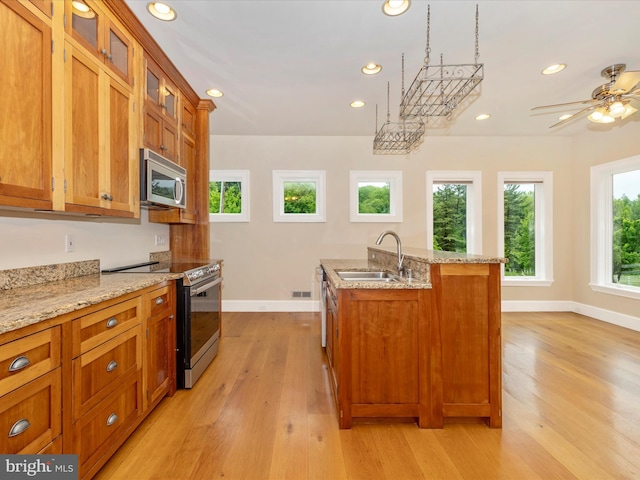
426 349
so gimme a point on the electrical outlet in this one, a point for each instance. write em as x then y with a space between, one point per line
161 240
69 243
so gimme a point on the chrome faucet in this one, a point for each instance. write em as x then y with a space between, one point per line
400 255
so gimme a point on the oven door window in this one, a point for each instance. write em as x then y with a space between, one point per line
205 321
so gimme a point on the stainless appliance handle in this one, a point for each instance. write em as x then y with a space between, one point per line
178 192
206 286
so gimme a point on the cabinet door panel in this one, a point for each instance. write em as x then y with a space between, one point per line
159 355
120 54
152 129
119 157
25 149
169 141
83 113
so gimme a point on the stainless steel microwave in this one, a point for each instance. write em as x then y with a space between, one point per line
162 182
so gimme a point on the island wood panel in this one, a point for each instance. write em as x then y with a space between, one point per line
467 326
383 367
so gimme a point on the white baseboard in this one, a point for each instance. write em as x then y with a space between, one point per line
615 318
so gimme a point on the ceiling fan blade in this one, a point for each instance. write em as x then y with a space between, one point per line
625 82
565 104
574 116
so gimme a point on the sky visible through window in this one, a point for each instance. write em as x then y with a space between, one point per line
627 183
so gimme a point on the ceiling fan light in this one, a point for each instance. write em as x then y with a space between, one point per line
616 109
628 110
597 115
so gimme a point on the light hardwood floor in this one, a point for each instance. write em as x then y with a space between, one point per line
263 410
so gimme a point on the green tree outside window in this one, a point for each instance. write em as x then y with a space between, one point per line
300 197
450 217
225 197
519 229
374 198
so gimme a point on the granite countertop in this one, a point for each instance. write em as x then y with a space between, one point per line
381 258
331 265
20 307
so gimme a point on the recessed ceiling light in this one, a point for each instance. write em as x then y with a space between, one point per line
371 68
565 116
214 92
82 10
483 116
395 7
162 11
551 69
357 104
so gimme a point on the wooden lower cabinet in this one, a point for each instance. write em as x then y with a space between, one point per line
103 429
426 354
85 381
30 416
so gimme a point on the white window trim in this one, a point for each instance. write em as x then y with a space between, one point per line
241 176
316 176
474 204
602 227
543 228
393 178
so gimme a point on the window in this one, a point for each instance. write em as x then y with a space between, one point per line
298 196
229 195
454 211
525 233
615 227
375 196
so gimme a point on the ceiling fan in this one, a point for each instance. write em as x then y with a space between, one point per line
609 101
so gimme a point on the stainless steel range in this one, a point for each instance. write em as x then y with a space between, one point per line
198 313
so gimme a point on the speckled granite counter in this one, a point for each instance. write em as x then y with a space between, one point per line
385 259
20 307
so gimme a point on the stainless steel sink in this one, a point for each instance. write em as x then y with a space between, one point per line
355 276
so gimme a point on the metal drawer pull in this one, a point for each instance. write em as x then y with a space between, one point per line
19 363
112 322
19 427
112 366
159 301
113 418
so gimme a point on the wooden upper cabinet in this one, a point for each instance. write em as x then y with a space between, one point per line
100 162
25 125
45 6
92 28
188 120
160 113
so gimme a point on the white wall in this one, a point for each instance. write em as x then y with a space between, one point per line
29 239
266 260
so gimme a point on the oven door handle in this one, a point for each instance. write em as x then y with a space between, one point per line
206 286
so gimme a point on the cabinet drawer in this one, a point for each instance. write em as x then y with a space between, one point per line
99 429
158 301
95 372
96 328
28 358
30 417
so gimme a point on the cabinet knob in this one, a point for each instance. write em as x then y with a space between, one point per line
113 418
159 301
107 197
112 322
19 363
162 147
19 427
103 52
112 366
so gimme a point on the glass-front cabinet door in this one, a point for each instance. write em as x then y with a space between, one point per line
93 30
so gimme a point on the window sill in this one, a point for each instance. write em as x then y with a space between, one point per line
619 290
528 282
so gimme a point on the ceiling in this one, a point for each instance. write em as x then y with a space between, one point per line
291 67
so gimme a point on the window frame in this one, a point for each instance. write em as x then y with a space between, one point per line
393 178
601 216
316 176
543 226
472 178
242 176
